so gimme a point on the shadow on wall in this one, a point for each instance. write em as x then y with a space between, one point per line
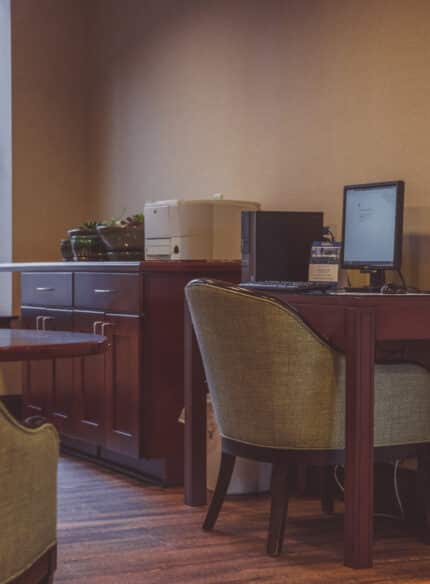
416 247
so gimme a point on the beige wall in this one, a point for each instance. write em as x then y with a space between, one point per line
5 153
283 101
49 133
121 101
116 102
49 124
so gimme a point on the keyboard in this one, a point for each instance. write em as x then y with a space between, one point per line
290 286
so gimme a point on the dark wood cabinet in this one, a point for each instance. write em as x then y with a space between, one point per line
124 364
108 386
48 385
114 293
122 406
47 289
61 406
89 384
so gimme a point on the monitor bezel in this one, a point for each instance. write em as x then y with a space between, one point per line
398 233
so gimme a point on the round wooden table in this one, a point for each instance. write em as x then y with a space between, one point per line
26 345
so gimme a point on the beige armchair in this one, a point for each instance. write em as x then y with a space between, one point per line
28 483
278 392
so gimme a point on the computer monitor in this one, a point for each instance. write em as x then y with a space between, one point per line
372 228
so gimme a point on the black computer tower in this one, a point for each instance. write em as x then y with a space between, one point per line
276 245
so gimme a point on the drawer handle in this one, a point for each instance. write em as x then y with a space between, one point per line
44 289
104 291
97 323
42 319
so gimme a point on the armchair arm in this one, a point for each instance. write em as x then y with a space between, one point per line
35 421
28 480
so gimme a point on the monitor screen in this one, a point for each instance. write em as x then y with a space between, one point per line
372 225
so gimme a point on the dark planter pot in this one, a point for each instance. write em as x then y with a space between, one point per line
87 245
66 250
123 238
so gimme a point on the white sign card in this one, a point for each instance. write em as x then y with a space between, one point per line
324 261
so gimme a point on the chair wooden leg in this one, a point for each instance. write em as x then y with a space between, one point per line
326 489
279 507
224 476
423 485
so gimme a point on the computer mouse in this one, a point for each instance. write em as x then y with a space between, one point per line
392 289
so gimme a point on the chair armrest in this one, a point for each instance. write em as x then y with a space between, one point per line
34 421
28 477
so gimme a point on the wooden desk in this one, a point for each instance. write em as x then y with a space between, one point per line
13 401
6 320
364 327
26 345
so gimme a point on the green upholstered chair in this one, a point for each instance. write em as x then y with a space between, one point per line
278 392
28 500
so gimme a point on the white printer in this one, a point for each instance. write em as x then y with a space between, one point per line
201 229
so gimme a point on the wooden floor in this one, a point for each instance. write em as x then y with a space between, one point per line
114 530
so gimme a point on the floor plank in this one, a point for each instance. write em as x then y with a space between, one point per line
115 530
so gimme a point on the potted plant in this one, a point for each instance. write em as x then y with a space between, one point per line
124 236
66 250
86 242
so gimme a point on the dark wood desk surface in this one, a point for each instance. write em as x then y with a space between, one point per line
364 327
24 345
6 320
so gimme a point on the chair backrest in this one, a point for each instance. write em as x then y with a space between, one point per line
271 379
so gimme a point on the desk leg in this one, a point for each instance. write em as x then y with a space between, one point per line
195 419
358 536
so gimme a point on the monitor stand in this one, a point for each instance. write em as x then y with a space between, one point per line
376 281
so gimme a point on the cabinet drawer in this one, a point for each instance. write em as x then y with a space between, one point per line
108 292
46 289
